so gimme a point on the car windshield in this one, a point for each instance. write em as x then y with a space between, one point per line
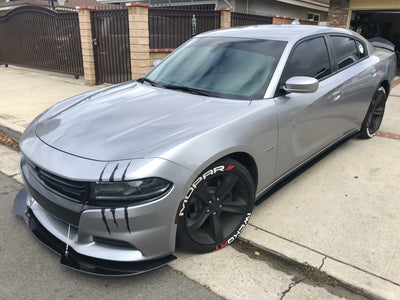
236 68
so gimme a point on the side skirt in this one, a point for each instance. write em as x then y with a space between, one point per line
347 136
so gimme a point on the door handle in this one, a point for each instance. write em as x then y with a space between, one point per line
336 96
373 73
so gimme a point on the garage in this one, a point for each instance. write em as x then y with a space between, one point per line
382 23
372 18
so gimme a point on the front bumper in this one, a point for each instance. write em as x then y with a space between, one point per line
71 258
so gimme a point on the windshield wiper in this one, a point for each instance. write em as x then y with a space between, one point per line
153 83
187 89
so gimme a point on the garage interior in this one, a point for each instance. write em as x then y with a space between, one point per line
382 23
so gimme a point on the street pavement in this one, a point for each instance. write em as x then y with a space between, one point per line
340 214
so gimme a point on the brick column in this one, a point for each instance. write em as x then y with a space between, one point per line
138 14
85 26
226 14
338 13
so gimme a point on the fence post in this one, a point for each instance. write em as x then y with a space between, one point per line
138 15
226 14
85 27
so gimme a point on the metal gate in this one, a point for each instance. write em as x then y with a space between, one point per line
110 31
244 19
40 38
171 27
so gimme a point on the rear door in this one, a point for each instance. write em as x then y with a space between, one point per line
308 122
358 74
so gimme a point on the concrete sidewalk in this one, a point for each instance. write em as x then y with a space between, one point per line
340 215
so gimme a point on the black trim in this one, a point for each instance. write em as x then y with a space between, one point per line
60 206
80 262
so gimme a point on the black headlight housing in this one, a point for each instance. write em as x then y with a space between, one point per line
129 192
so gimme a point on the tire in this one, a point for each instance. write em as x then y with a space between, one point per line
374 116
217 207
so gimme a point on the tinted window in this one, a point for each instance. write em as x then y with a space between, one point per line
310 58
346 50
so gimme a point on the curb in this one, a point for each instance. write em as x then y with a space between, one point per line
15 134
350 276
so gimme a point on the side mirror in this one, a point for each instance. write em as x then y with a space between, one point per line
301 84
156 63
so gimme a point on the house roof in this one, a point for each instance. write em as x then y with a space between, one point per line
67 4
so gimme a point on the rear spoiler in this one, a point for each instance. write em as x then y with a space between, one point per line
382 43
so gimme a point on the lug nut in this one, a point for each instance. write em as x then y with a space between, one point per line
220 206
214 213
217 199
208 210
209 202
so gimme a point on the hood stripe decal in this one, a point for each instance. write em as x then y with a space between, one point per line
126 169
113 173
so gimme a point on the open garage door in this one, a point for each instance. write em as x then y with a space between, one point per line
382 23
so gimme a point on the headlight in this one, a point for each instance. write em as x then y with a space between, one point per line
130 191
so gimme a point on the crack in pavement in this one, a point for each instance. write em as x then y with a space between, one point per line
323 261
291 285
296 282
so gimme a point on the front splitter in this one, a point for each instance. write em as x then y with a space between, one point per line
76 261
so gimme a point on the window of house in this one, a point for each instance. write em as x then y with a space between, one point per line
309 58
347 50
313 16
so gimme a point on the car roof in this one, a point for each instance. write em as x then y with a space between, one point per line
275 32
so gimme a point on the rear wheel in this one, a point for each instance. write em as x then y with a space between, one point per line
218 208
374 116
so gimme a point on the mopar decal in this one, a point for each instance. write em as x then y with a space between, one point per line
239 231
196 183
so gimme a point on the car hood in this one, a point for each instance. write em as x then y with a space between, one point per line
133 121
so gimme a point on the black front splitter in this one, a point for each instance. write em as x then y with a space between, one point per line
77 261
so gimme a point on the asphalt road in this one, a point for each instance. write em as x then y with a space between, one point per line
30 271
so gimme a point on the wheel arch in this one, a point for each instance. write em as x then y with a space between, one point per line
248 162
386 85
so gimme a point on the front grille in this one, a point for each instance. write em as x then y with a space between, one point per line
77 190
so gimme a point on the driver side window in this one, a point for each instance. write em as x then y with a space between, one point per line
309 58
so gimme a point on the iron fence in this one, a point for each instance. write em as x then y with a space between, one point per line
169 28
110 31
37 37
244 19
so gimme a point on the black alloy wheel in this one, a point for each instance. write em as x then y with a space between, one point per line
374 116
220 204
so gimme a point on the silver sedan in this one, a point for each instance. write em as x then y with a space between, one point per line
115 178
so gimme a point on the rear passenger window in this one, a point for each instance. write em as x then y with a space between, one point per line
310 58
347 50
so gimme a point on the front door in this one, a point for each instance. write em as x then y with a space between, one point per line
308 122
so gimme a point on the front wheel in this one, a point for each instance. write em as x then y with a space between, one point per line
216 208
374 116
